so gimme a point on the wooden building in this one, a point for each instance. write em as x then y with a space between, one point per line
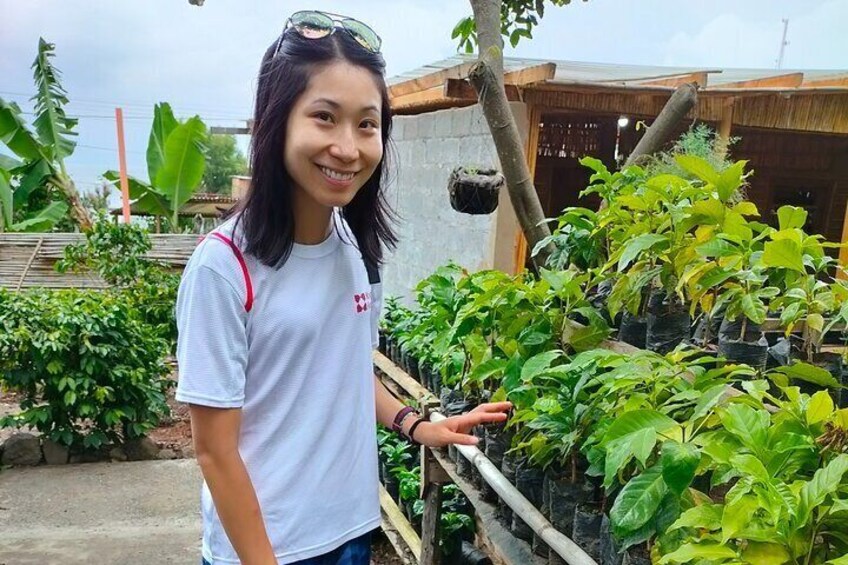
793 125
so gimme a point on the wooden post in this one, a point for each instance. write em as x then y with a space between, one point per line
723 141
122 161
433 478
534 118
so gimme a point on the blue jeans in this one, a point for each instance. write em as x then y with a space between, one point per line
355 552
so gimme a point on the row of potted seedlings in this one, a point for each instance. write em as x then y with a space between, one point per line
647 456
678 255
633 456
401 476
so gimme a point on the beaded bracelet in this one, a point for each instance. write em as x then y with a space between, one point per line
400 416
411 434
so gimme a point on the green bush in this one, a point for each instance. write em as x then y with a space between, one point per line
116 253
89 365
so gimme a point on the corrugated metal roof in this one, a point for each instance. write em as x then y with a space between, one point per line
624 75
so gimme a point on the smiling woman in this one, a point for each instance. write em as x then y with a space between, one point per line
277 315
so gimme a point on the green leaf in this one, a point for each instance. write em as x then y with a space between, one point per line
146 200
5 201
639 500
637 245
737 514
54 128
753 308
35 174
783 253
820 407
182 170
746 208
679 463
809 373
824 483
701 551
730 180
538 364
44 220
839 560
717 247
704 516
708 400
710 211
750 426
750 465
766 553
698 167
584 338
639 444
15 134
636 420
164 123
791 217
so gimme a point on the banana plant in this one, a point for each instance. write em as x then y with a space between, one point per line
38 174
175 164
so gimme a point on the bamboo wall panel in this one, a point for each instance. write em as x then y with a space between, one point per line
21 255
824 113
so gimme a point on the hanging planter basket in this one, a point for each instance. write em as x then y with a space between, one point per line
474 191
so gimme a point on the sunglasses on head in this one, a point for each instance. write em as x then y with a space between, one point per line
312 24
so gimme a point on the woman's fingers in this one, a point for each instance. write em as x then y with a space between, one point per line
494 407
463 439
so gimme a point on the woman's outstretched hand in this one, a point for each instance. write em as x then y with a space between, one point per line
456 428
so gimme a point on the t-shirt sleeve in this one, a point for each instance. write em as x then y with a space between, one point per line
211 340
376 311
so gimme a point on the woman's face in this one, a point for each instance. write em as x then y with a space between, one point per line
333 139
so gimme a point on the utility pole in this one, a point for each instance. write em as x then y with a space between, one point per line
783 43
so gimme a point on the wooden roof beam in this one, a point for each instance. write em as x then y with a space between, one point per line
430 81
422 97
459 89
838 80
699 77
530 75
789 80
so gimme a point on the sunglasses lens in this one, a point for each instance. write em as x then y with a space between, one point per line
363 34
312 25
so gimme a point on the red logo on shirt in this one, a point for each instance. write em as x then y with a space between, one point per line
362 302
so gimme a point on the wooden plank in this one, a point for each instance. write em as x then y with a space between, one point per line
788 80
461 89
531 150
495 538
674 81
397 542
834 81
412 387
427 82
399 522
530 75
421 97
430 522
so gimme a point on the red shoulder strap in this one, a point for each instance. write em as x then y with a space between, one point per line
248 304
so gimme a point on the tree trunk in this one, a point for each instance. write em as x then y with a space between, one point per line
661 131
487 79
78 211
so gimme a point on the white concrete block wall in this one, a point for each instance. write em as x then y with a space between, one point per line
427 148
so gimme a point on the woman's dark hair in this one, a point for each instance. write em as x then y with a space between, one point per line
266 211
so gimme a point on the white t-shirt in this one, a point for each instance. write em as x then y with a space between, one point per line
299 365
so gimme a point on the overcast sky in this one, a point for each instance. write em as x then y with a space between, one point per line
203 60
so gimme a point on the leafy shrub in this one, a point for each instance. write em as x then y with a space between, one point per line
90 368
116 253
